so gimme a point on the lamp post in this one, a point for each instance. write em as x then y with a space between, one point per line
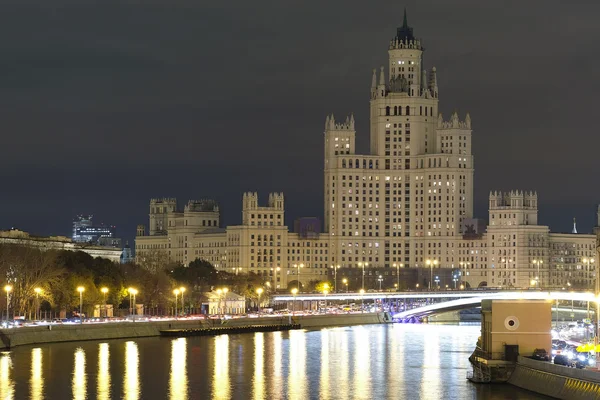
37 291
294 293
380 279
259 292
335 268
133 292
81 289
129 289
538 277
437 281
430 263
182 290
7 288
104 290
363 265
398 274
345 282
176 293
455 279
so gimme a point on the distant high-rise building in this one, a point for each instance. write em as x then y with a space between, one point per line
84 231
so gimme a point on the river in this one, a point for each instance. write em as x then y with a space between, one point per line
360 362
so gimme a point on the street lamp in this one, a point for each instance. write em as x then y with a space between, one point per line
133 292
335 268
182 290
363 265
259 292
129 289
275 278
176 293
37 291
345 282
7 288
455 279
437 281
398 274
294 293
81 289
538 262
431 263
104 290
380 279
325 291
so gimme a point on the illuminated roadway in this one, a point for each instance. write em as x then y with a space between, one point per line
457 300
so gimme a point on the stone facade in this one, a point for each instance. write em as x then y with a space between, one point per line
407 204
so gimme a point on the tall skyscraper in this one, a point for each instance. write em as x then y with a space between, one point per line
404 202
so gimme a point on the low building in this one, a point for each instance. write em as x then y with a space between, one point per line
224 303
510 328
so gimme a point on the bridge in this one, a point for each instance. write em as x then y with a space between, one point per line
446 300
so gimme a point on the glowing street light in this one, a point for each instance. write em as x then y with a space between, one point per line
37 291
225 290
345 281
335 268
380 279
81 289
398 266
7 288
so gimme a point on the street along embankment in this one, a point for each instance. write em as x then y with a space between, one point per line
10 338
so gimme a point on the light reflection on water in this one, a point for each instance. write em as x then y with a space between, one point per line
361 362
259 366
178 380
103 388
79 386
131 386
37 379
7 386
221 370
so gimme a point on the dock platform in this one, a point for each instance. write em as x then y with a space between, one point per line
226 330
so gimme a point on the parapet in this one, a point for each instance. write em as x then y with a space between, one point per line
331 125
454 122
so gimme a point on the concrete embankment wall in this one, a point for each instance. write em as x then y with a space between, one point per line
72 333
556 380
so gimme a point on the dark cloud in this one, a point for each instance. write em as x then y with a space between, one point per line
106 104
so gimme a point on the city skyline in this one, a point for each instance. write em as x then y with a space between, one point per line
186 84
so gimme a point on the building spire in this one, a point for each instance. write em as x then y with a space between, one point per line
574 226
405 23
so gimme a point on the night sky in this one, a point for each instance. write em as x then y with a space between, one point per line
105 104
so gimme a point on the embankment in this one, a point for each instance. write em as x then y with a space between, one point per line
556 380
122 330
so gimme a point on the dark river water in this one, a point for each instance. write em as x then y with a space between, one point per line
361 362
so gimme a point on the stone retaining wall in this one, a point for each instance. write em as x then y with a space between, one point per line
121 330
556 380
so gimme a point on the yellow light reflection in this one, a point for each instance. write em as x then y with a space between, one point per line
37 379
275 357
258 382
430 380
103 387
178 380
344 371
324 383
79 386
297 377
362 363
131 385
221 372
7 386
